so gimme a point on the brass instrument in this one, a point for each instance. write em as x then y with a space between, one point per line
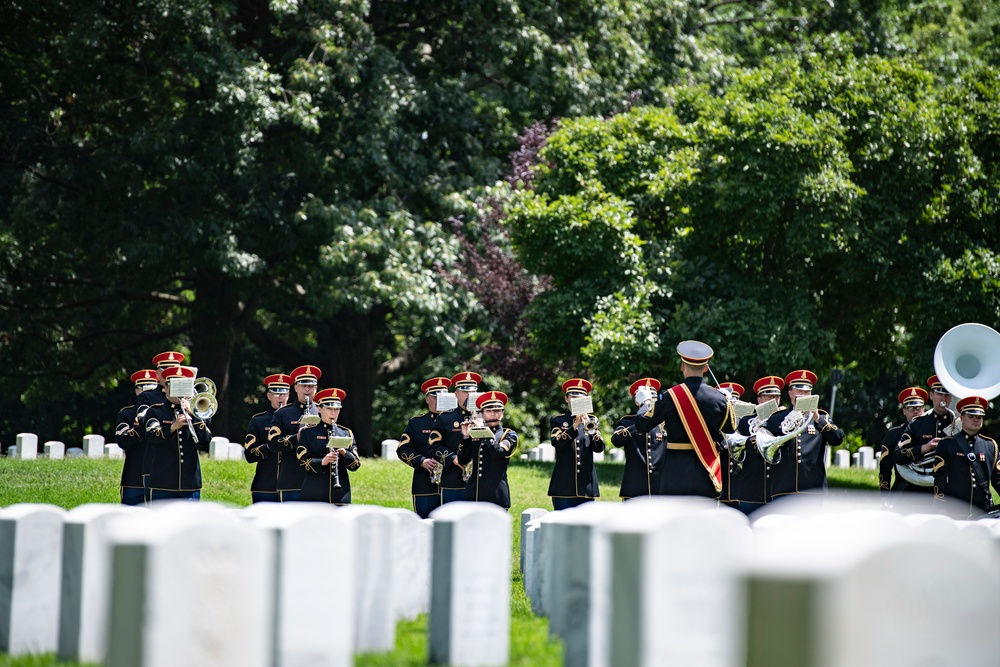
791 426
436 473
591 424
467 471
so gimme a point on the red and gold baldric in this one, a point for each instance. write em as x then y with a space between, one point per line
697 431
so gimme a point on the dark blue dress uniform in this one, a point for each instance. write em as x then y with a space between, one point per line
644 454
146 399
574 475
745 481
489 458
911 398
282 441
413 450
265 477
175 467
444 441
133 443
966 464
915 435
683 473
318 480
802 466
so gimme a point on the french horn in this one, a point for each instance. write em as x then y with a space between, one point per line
791 426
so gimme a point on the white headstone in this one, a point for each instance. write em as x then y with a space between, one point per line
827 456
546 451
93 446
113 451
317 534
534 454
598 457
526 516
577 598
617 455
31 537
675 593
54 449
12 452
842 459
806 595
187 590
389 449
218 448
470 585
86 581
374 605
235 451
531 549
27 446
867 457
412 563
74 452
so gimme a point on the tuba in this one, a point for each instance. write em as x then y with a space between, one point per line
967 362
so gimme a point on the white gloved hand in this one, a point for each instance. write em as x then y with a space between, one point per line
643 394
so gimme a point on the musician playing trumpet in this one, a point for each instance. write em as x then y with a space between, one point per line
576 439
326 462
446 437
489 456
175 436
286 428
414 450
801 467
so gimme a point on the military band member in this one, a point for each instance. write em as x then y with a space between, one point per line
132 440
283 434
748 474
695 416
966 464
264 487
326 466
574 477
922 435
488 456
912 401
414 451
446 436
801 467
176 437
643 451
152 396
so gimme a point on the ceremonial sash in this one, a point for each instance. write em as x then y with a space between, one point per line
697 430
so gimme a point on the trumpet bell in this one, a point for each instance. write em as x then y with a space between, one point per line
967 361
204 385
204 405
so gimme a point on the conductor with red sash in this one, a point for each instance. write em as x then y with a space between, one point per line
695 415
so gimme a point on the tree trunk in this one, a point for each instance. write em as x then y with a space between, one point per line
216 317
348 344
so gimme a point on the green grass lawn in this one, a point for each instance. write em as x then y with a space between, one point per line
73 482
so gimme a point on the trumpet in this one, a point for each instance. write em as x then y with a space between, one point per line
590 424
436 473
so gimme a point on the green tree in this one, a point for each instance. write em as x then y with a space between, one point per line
819 215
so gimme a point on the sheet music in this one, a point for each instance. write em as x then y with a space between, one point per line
446 401
765 410
581 405
807 403
339 442
742 409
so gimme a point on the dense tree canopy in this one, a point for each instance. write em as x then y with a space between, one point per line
266 183
843 215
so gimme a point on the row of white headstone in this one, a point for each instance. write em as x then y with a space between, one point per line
95 447
284 585
824 583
